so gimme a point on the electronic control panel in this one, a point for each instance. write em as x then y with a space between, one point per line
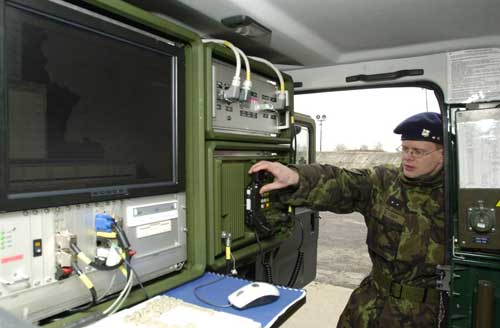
478 132
258 115
37 251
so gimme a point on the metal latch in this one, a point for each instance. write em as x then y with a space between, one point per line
444 280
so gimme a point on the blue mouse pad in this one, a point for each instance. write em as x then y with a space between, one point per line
218 292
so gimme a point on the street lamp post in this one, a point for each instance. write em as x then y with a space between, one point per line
321 119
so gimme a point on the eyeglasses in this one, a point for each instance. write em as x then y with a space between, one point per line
414 152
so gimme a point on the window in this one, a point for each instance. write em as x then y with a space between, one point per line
302 145
363 119
355 130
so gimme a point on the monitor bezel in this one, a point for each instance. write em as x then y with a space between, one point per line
111 28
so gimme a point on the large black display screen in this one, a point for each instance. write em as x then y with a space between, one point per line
93 108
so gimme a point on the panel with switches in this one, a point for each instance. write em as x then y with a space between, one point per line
258 114
479 218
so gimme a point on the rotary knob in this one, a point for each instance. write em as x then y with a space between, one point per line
481 219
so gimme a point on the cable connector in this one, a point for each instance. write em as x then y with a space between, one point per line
233 92
266 107
245 90
64 239
104 222
122 237
114 257
281 100
227 238
80 255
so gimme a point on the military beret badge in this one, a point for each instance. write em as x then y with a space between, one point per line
425 126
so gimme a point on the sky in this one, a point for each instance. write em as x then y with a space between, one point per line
364 117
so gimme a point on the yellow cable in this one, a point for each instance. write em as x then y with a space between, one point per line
229 45
86 281
107 235
123 270
84 258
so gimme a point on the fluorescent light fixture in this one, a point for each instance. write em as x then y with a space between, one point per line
246 26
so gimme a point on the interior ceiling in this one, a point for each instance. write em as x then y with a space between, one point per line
318 32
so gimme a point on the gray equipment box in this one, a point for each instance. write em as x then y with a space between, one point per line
32 245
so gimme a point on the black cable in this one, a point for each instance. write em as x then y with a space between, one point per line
300 257
294 145
109 297
296 269
96 262
269 271
301 233
267 268
260 223
195 290
124 244
228 267
101 265
128 268
122 237
138 279
91 288
85 306
293 137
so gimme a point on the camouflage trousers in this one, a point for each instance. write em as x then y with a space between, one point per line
367 309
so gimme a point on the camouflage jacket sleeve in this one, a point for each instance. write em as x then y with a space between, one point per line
327 187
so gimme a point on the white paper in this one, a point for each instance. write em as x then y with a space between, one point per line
479 150
168 312
473 75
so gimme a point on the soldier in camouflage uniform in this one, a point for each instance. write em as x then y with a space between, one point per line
403 209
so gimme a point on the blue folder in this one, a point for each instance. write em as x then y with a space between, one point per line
218 292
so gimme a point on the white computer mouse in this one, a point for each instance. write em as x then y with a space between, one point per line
253 294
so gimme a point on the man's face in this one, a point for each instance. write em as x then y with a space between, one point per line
421 158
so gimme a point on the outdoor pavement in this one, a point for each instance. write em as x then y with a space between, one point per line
343 262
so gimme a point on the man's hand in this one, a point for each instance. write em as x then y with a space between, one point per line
283 176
